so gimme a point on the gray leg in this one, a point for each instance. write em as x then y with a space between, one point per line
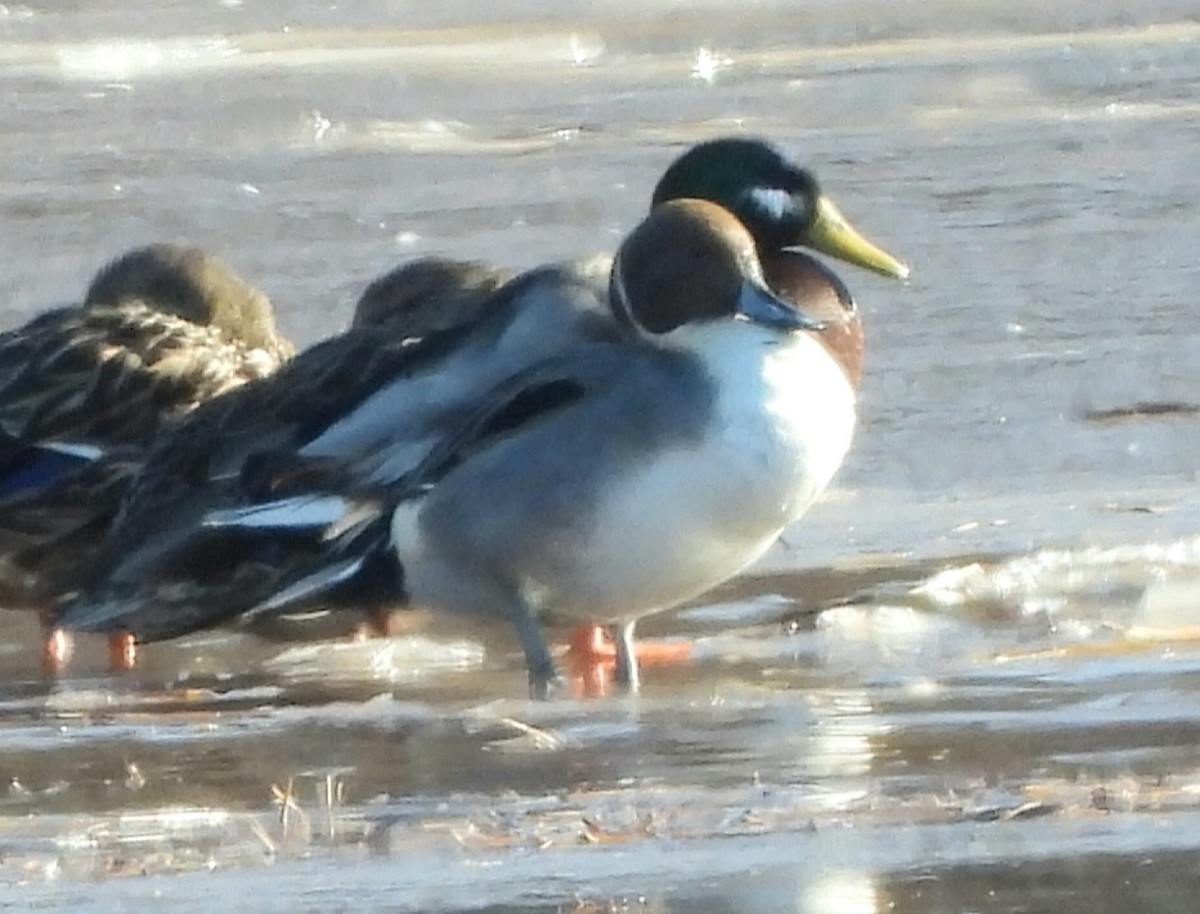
543 675
627 665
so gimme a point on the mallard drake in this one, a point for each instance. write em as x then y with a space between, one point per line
363 408
86 389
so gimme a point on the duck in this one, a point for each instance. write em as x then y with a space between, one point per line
426 295
363 407
598 656
414 299
86 389
613 480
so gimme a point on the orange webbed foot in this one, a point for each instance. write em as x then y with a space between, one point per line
591 658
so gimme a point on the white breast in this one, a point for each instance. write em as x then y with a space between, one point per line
690 518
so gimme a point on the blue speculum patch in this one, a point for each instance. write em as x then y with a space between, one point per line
37 468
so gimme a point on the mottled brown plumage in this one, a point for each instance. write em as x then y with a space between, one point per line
426 295
85 390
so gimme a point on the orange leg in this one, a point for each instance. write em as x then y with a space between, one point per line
122 651
380 623
57 647
592 659
389 622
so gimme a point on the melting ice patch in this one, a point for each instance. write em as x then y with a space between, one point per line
1151 584
124 59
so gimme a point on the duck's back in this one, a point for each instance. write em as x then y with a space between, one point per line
114 376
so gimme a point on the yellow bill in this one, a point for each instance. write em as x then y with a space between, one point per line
831 234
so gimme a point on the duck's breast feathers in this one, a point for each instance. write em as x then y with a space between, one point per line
819 292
